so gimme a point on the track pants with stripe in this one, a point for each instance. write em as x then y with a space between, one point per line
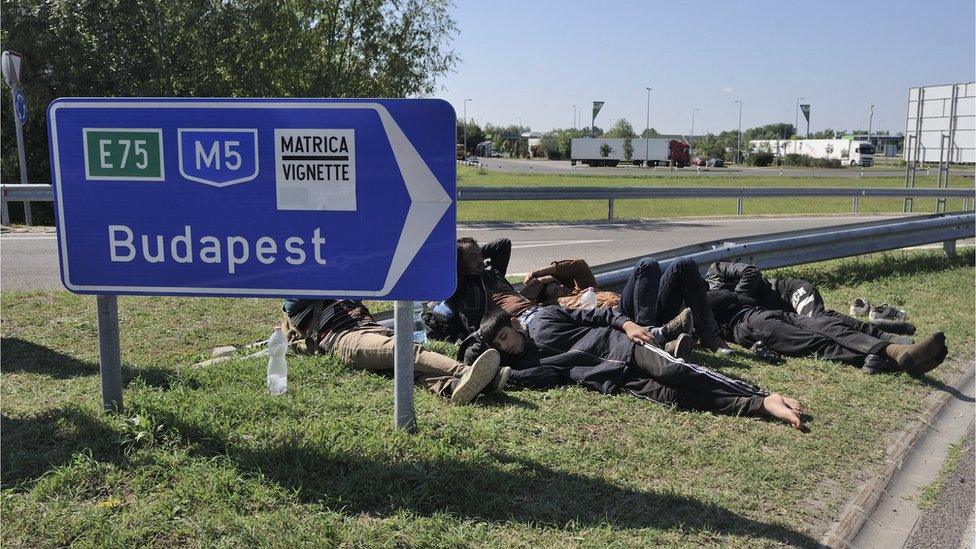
802 297
655 375
796 335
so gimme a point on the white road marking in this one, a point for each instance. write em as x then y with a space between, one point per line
12 237
543 243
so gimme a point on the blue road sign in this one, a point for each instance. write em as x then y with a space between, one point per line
255 197
20 105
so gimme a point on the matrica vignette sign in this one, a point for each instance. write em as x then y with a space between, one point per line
316 198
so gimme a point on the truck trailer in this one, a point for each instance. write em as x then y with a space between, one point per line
849 151
651 152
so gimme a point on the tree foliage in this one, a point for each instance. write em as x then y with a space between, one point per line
217 48
621 129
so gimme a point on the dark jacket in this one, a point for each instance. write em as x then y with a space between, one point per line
744 280
574 346
473 295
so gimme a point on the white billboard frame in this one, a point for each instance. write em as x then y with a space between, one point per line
936 111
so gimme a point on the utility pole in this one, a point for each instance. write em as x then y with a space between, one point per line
647 129
693 121
738 137
574 117
466 128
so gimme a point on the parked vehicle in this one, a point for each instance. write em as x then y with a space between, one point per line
649 152
698 161
850 152
716 163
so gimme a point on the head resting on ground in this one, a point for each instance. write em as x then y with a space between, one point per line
503 332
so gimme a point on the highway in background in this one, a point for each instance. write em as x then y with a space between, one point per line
510 165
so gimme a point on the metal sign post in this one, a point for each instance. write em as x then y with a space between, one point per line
10 62
305 198
403 327
109 356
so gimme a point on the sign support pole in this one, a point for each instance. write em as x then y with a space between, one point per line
403 327
110 361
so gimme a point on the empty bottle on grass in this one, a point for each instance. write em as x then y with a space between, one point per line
277 367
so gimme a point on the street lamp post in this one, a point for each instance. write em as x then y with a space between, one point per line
647 129
466 128
738 137
693 121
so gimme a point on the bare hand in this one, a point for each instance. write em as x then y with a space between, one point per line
528 278
637 333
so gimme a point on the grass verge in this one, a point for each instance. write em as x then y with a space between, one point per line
578 210
929 495
202 456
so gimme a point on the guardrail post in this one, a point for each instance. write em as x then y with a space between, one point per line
109 359
950 248
610 209
739 206
403 355
856 204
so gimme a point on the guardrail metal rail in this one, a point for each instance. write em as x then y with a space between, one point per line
791 248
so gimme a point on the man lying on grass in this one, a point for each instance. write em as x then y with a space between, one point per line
828 336
650 298
799 296
346 329
605 351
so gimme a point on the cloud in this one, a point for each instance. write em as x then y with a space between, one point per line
727 89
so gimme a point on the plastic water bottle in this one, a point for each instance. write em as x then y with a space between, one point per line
419 328
588 299
277 367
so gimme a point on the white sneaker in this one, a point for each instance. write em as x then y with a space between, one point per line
860 307
478 376
887 312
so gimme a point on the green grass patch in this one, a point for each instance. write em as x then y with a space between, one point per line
203 457
580 210
929 495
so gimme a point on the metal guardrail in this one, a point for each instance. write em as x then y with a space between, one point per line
830 243
739 193
42 192
799 247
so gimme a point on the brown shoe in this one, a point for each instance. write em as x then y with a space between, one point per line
681 324
498 384
921 357
680 347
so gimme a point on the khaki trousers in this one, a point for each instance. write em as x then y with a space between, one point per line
372 349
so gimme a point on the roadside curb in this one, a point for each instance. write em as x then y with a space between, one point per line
860 507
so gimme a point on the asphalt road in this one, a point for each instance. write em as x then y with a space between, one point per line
30 260
509 165
949 522
536 244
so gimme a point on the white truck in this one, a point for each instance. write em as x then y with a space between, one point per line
653 151
849 151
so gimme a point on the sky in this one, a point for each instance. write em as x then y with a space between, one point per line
531 61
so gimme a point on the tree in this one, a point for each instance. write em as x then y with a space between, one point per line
475 135
628 149
227 48
621 128
605 150
649 132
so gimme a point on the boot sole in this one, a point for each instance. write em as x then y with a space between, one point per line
482 372
682 346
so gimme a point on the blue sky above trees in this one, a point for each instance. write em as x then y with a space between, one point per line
529 62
